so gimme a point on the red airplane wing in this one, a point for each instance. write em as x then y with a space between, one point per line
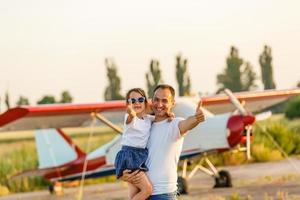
75 115
255 100
58 116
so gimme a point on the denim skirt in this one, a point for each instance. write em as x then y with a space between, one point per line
132 158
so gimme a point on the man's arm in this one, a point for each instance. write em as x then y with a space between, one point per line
192 121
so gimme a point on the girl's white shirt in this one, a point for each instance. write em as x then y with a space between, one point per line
137 132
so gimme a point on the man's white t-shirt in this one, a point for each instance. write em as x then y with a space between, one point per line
164 146
136 133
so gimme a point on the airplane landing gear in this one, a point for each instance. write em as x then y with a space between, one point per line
51 189
224 179
56 188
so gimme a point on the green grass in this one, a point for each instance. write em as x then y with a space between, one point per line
284 132
11 137
19 155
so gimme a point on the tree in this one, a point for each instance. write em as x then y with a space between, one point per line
298 84
237 76
47 99
265 61
112 91
292 109
153 77
66 97
22 101
182 76
248 77
7 100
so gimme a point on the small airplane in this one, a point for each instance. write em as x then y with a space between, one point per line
228 124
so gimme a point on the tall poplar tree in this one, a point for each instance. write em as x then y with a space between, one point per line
265 61
113 90
182 76
153 77
237 76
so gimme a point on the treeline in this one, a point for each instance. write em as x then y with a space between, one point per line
238 75
153 78
46 99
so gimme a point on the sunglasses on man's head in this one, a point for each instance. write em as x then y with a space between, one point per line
134 100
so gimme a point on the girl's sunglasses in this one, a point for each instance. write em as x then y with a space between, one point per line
134 100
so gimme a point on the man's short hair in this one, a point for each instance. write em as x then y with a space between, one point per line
165 86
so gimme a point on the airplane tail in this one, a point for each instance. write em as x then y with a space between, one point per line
55 148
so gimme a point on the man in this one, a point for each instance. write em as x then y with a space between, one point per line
165 144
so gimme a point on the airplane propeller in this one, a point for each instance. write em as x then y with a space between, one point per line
235 102
263 116
248 119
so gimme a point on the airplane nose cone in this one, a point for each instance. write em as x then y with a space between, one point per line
236 125
248 119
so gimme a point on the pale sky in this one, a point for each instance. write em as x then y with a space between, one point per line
53 45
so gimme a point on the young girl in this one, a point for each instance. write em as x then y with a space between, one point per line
133 154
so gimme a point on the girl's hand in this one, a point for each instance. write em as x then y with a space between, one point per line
171 116
130 110
131 113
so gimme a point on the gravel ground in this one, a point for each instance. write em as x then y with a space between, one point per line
272 180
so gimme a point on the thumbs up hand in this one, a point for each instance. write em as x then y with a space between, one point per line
192 121
130 110
199 115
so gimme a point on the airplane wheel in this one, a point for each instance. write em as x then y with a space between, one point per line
51 189
224 180
56 188
182 185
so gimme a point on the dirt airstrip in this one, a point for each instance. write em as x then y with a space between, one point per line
272 180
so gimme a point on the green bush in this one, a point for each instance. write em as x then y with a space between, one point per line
293 108
287 138
261 153
3 190
21 157
285 133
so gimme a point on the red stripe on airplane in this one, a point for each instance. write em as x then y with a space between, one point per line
76 167
62 109
71 143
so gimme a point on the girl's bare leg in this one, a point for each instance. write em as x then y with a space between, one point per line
132 190
144 186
